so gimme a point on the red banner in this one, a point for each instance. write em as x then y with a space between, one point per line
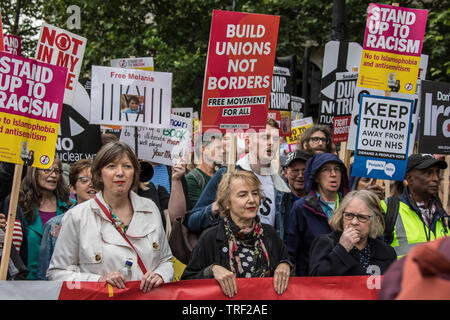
299 288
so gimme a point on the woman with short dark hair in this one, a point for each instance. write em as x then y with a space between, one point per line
117 228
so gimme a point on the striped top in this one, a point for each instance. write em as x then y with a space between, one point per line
161 176
17 236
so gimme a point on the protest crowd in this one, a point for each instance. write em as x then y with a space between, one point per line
251 220
223 205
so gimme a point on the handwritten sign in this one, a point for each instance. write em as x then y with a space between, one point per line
166 146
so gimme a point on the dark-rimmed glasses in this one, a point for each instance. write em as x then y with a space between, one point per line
360 217
49 171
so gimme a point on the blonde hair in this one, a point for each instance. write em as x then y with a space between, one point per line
372 202
224 188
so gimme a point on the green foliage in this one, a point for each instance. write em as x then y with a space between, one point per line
176 33
21 18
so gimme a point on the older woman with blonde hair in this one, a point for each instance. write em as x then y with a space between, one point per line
239 245
353 248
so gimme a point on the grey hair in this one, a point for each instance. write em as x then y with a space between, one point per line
372 202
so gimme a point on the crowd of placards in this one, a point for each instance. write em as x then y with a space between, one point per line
115 185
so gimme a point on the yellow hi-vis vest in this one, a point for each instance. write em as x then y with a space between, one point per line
409 230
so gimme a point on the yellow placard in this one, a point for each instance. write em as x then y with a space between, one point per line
196 126
388 71
27 141
296 134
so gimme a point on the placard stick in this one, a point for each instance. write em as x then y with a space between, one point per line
11 219
344 145
277 160
387 183
387 187
342 151
446 180
136 141
231 156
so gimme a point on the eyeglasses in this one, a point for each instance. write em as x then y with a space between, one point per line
317 139
329 169
51 170
360 217
84 180
296 172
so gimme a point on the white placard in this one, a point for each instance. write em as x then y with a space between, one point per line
114 91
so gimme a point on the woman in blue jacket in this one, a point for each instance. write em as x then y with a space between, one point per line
326 183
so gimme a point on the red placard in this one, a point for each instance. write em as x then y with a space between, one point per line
239 69
341 125
284 120
12 44
1 32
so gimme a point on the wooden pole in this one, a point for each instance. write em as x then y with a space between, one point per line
136 141
231 161
277 159
446 180
344 145
343 150
387 188
11 219
387 183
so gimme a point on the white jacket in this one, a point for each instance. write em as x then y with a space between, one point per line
89 246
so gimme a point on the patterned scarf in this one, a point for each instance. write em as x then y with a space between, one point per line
247 243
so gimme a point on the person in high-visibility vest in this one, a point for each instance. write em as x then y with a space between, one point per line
421 216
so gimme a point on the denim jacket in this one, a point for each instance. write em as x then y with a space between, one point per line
201 216
283 205
49 237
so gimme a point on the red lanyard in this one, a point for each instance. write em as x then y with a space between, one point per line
109 215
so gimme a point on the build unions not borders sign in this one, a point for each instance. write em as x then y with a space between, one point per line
239 69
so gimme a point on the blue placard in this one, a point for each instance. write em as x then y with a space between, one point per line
382 139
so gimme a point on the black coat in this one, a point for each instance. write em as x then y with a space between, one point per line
329 258
212 248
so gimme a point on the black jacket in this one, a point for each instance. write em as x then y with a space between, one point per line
212 248
159 195
17 269
329 258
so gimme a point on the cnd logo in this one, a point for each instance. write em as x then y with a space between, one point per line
374 281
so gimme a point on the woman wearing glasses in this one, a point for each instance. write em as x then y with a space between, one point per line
353 248
326 183
43 195
80 184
